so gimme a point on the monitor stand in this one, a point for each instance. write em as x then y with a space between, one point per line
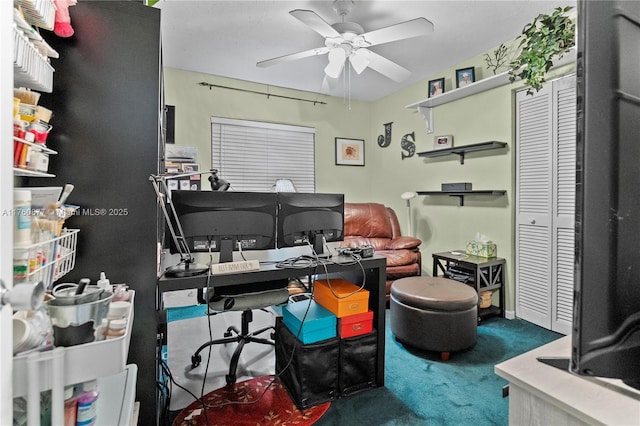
561 363
318 247
187 268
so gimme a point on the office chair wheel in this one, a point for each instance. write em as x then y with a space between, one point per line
231 379
195 361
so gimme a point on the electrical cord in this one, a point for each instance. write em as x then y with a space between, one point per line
299 262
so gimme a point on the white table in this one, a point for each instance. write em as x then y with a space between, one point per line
543 395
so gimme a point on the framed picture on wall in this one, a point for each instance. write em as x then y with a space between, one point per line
436 87
465 76
442 142
191 167
349 152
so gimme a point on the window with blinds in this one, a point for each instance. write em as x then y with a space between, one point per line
252 155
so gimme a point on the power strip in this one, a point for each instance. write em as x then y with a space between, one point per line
235 267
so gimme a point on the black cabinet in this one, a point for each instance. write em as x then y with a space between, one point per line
482 273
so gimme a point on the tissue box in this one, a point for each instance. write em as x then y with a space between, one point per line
476 248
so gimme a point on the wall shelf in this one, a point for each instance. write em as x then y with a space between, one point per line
461 150
425 106
462 194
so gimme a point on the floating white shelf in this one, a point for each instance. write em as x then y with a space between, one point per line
425 106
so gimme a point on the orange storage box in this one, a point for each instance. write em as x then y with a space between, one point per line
355 325
341 296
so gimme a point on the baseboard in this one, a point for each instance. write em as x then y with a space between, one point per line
509 314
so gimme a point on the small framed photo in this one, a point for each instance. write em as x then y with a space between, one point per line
442 142
190 168
436 87
349 152
465 76
185 185
172 184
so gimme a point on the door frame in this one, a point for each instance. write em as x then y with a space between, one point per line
6 204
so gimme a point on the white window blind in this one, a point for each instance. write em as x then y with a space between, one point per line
252 155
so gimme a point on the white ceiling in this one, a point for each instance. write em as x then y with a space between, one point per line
228 38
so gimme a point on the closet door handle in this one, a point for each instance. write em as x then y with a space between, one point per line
533 221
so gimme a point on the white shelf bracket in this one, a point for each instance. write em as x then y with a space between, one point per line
427 113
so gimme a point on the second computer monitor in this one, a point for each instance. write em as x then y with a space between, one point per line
310 219
225 221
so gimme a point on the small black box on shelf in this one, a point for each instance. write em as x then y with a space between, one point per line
456 187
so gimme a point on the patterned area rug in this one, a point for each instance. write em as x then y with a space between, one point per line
252 402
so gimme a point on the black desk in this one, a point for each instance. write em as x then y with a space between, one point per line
374 272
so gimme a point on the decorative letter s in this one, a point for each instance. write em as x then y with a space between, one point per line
408 145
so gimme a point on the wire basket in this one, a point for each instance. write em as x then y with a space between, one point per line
51 259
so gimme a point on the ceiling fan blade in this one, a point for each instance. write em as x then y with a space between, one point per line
315 22
293 57
359 60
386 67
337 58
408 29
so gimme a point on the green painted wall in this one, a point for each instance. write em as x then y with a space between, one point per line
195 105
438 220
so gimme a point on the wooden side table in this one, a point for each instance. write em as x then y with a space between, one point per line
485 274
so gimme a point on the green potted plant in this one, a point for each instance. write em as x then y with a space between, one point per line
547 37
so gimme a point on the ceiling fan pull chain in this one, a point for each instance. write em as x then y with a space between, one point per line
349 71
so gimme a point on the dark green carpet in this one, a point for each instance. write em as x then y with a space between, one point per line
422 390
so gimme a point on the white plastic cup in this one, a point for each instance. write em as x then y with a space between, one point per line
119 310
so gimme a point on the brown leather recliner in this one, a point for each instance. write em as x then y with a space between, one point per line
377 225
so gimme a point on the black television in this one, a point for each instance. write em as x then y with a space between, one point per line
606 323
219 221
310 219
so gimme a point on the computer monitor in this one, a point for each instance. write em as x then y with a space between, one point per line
310 219
606 327
216 221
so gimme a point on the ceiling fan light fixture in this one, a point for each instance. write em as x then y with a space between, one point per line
359 60
337 56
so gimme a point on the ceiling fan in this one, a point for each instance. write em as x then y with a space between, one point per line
347 41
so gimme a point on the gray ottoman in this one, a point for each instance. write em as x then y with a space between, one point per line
434 314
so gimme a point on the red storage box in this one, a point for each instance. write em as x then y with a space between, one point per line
355 325
341 296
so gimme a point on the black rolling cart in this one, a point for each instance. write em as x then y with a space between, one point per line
482 273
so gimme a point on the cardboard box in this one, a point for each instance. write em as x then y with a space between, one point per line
355 325
317 323
341 296
482 249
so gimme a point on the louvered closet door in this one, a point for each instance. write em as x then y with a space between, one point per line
564 144
533 206
545 204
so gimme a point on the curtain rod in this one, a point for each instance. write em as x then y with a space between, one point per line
210 85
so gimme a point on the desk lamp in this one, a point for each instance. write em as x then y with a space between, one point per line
187 266
283 185
408 196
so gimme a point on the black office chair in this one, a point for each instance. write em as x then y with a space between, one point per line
244 298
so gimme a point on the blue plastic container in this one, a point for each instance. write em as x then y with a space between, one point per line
319 324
